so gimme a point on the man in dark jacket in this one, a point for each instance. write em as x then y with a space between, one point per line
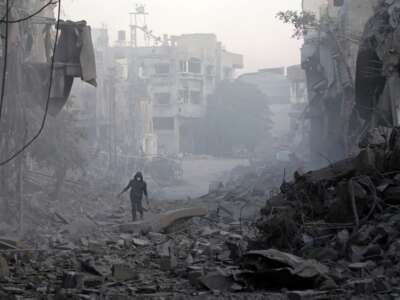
138 188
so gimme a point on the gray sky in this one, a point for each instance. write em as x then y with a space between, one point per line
249 29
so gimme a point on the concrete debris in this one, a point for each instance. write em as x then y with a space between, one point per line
306 295
4 270
8 243
268 231
193 256
217 281
140 242
122 272
276 269
311 241
345 216
72 280
161 222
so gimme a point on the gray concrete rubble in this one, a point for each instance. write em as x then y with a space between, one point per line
196 256
163 221
344 216
309 242
285 222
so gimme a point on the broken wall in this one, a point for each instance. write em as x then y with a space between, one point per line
328 57
377 82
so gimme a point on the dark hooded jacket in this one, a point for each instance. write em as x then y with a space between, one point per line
138 187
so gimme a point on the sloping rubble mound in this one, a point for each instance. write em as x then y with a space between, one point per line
253 183
346 215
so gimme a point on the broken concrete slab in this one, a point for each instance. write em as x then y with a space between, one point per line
167 257
122 272
161 222
4 270
362 286
140 242
156 237
333 172
273 268
307 295
89 266
216 281
71 280
194 274
9 243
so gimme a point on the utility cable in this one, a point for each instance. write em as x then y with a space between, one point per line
30 16
7 11
3 80
39 132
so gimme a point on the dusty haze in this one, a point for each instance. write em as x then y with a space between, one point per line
250 29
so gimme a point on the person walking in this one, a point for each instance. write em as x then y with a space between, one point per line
138 188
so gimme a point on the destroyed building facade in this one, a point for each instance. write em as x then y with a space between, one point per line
40 66
178 77
329 58
151 98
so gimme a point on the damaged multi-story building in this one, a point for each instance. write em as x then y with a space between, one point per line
41 57
34 48
154 96
343 58
173 81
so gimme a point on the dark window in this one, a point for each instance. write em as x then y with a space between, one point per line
162 98
184 96
161 68
338 2
163 123
195 97
195 66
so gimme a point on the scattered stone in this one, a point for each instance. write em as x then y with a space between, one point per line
156 237
91 282
146 289
8 244
122 272
306 295
216 281
4 270
362 287
140 242
89 266
12 290
71 280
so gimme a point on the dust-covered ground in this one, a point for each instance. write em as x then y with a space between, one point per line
198 174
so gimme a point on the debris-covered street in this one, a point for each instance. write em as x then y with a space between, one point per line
199 150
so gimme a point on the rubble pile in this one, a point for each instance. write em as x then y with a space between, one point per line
332 233
346 216
249 182
190 259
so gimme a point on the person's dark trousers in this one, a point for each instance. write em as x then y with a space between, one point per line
136 207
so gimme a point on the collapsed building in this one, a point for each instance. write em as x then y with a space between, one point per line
39 66
31 38
331 57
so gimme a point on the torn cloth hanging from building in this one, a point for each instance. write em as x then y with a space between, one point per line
74 57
